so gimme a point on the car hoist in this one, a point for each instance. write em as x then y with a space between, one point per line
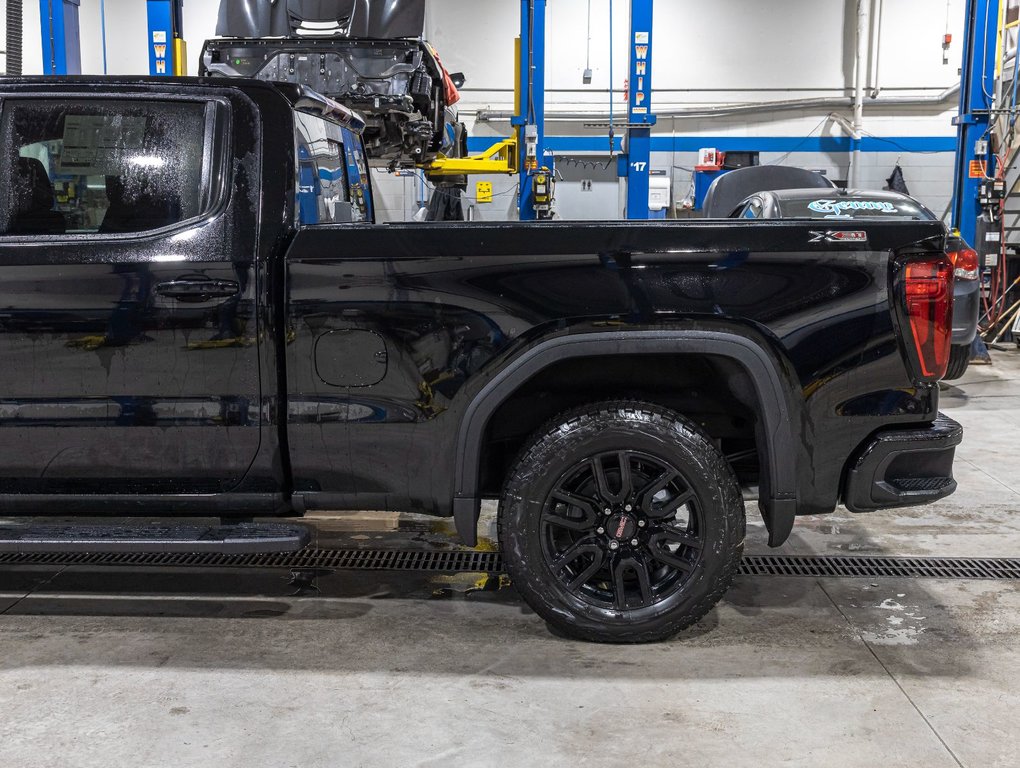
501 157
519 154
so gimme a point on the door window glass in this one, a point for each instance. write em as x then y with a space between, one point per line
101 166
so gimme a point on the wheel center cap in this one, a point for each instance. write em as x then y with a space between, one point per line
621 526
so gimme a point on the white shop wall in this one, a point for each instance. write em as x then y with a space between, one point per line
127 27
704 54
727 50
126 31
31 43
90 22
717 53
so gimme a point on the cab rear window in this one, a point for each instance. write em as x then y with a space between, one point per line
853 209
332 183
102 166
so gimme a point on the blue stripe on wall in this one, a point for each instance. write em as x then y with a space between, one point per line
747 144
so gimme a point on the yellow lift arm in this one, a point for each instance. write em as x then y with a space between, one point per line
503 157
499 158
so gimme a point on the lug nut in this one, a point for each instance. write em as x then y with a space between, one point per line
633 542
600 530
629 507
641 523
608 511
614 545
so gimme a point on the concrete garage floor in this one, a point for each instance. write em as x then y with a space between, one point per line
152 667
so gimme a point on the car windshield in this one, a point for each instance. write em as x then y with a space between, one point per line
854 208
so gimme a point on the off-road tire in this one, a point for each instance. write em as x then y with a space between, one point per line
959 360
627 428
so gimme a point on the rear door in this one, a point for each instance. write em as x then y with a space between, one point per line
127 326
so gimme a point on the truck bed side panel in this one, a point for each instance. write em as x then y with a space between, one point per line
393 330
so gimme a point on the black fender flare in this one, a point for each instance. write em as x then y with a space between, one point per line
778 500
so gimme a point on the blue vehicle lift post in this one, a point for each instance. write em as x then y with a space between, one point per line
977 86
638 151
61 44
167 52
530 118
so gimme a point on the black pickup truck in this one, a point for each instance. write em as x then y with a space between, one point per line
199 318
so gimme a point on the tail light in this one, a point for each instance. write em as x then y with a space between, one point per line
965 263
929 296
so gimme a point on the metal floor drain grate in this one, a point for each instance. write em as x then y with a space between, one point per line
339 559
490 562
869 566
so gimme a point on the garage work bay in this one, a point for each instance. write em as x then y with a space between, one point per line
536 362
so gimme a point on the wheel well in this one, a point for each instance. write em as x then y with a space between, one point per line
713 391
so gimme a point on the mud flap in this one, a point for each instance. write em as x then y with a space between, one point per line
779 516
465 516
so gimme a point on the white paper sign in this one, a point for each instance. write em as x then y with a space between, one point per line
95 145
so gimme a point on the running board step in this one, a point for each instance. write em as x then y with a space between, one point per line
194 539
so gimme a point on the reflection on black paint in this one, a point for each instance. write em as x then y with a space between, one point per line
103 389
454 303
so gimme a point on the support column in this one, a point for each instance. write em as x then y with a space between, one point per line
167 51
61 46
639 109
530 120
977 87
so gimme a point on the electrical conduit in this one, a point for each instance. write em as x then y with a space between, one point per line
860 78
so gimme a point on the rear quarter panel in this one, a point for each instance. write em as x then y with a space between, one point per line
445 307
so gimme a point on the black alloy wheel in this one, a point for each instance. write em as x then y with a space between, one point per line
621 530
621 522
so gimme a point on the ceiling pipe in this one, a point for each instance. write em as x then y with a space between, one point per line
827 104
874 82
102 26
938 98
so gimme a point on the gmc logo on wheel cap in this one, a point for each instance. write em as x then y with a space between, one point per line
839 236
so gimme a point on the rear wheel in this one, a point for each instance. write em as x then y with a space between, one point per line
621 522
959 359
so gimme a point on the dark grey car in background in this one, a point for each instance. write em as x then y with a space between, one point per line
835 205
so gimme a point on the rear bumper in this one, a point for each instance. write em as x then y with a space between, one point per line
966 308
904 467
